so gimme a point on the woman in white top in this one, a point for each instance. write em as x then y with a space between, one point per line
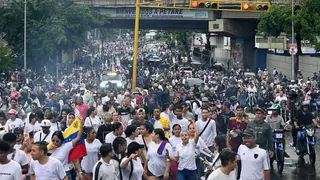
187 169
61 150
159 163
33 125
131 166
92 120
202 150
146 130
174 141
92 146
132 135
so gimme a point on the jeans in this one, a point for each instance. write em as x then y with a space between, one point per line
71 174
186 174
298 144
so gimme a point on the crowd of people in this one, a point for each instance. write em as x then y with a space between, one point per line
165 129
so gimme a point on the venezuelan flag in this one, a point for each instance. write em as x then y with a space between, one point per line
71 133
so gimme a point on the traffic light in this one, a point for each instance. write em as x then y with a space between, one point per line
262 7
230 5
247 6
204 4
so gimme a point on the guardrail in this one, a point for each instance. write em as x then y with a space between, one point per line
178 2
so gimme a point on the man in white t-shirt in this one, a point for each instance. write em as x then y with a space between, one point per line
16 154
8 169
281 97
45 134
255 164
43 166
104 168
228 160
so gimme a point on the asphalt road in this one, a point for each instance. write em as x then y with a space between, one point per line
298 171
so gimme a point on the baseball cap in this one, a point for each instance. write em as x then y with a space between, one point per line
227 104
17 131
45 123
141 110
248 132
13 111
139 98
205 99
260 110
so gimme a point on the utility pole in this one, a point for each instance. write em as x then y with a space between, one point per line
135 46
292 39
25 37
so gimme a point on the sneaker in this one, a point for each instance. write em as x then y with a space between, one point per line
286 155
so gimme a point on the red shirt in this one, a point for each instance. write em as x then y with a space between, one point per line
234 124
83 110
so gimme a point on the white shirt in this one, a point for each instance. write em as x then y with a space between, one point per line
62 154
52 170
186 155
174 141
93 122
157 162
10 171
184 123
279 99
137 169
19 156
252 89
18 123
110 137
55 126
209 133
253 163
218 174
40 136
91 158
35 128
138 139
106 171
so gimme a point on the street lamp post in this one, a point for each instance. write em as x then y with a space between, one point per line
135 46
25 37
292 41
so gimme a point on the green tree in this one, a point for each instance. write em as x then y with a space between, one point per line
6 59
306 21
53 26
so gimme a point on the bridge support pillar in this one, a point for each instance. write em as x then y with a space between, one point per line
242 43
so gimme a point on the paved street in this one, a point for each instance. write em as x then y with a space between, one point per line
298 171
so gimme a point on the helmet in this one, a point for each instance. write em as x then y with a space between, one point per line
305 103
275 107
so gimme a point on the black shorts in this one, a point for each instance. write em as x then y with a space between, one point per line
150 174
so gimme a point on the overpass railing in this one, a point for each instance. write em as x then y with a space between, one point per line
132 2
182 3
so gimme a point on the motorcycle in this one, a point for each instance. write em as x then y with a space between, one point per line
278 140
283 110
307 143
251 101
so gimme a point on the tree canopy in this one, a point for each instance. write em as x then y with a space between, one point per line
53 26
6 58
306 22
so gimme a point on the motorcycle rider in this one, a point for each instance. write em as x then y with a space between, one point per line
281 97
304 118
264 101
276 122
